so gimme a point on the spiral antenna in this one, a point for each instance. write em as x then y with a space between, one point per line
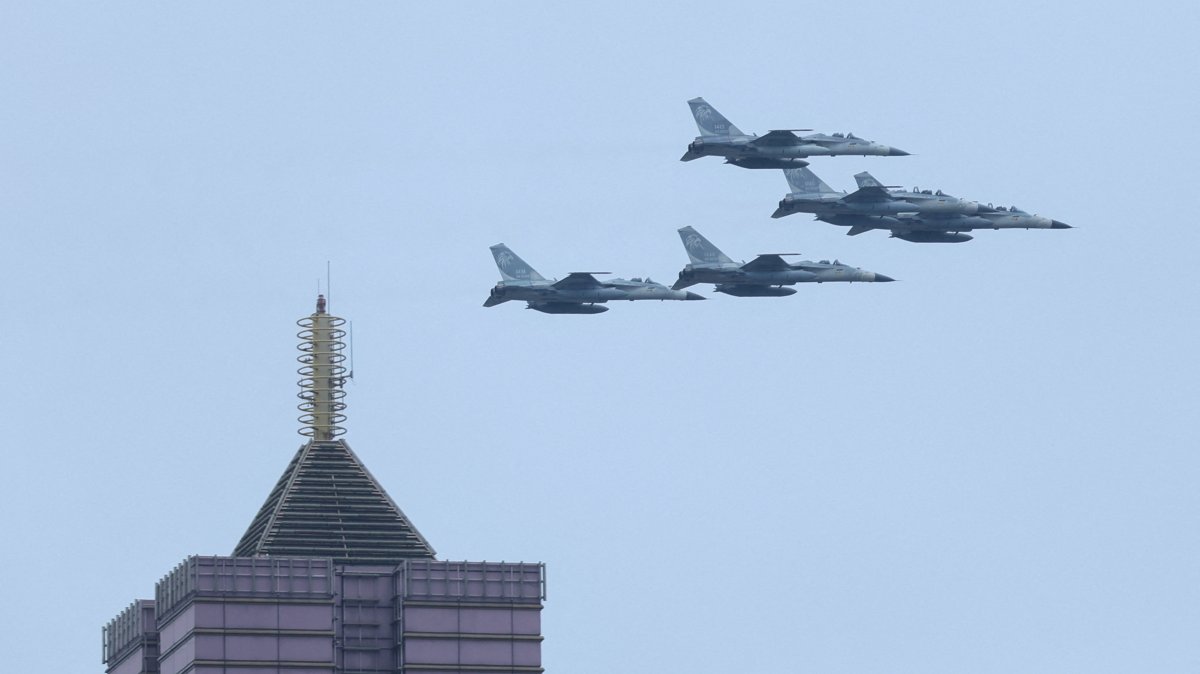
322 374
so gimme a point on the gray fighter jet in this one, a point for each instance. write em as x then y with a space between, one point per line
810 194
920 216
579 293
764 276
777 149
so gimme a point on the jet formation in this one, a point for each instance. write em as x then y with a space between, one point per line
780 148
920 216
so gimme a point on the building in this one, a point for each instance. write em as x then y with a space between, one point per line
331 576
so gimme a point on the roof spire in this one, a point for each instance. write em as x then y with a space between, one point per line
326 503
322 374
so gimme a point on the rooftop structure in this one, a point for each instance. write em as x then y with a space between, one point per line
327 504
331 576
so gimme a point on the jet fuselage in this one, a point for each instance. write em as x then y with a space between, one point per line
904 203
920 228
545 293
740 151
692 274
813 272
628 290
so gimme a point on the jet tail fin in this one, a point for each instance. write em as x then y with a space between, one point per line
865 179
513 268
699 249
710 122
804 181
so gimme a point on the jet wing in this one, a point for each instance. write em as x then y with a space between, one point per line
768 262
822 139
777 139
579 280
871 194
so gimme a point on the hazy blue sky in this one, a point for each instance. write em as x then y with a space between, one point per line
989 466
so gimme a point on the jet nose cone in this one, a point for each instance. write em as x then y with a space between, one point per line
880 278
693 296
1055 224
896 152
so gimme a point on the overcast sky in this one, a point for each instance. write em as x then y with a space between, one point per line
989 466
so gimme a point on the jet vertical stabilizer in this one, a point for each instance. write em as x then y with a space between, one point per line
865 179
700 250
513 268
710 122
804 181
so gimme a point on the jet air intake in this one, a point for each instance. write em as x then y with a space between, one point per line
933 237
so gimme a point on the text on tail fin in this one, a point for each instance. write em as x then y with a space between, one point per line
699 249
512 267
710 122
804 181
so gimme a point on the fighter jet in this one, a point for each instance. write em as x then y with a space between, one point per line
781 148
920 216
764 276
810 194
579 293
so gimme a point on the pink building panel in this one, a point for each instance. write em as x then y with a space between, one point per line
430 651
473 620
269 649
245 615
527 621
485 652
178 628
431 619
527 653
419 652
131 663
305 649
222 669
179 659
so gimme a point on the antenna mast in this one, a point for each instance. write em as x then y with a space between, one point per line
322 374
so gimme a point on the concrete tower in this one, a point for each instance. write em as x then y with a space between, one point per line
331 576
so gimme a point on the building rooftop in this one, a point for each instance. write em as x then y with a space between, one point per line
327 504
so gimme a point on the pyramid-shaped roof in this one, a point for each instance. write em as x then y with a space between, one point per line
327 504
